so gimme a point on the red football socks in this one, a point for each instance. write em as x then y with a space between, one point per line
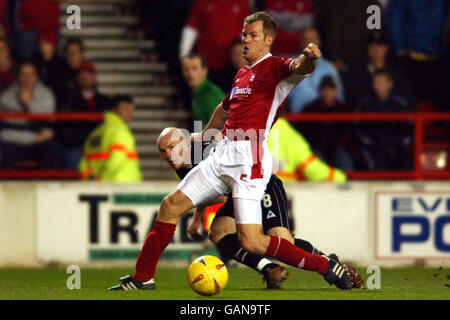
157 240
288 253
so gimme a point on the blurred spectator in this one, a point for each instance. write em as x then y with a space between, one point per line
3 17
6 66
292 17
110 150
358 82
83 98
343 27
308 90
224 77
162 20
212 26
383 4
24 140
385 145
299 162
35 16
323 137
49 64
206 96
416 32
67 74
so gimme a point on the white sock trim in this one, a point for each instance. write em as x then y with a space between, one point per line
264 262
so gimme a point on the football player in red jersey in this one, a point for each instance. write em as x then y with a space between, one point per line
241 164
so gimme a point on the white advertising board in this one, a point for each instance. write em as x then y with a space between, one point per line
411 225
82 224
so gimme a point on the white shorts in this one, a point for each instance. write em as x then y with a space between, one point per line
229 169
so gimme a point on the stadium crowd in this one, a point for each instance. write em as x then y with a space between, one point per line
38 74
402 68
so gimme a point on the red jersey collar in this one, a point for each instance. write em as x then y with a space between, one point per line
263 58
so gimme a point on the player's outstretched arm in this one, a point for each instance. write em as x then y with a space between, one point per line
217 120
306 61
216 123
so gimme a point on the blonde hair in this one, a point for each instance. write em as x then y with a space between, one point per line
269 24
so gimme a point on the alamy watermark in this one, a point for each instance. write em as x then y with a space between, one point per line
74 280
184 155
73 21
374 280
374 20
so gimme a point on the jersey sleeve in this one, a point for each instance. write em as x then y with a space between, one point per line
282 67
195 16
226 102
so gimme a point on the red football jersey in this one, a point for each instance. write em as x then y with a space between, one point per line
258 94
256 100
219 23
292 17
39 14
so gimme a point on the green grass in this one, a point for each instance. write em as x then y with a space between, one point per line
405 283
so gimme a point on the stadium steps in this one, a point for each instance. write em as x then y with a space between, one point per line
91 20
105 7
95 32
137 90
91 44
127 64
113 55
150 101
145 67
117 78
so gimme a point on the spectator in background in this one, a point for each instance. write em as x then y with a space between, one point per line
416 33
73 56
3 18
49 64
205 94
212 27
83 98
224 77
329 140
358 81
385 145
7 76
110 150
23 139
308 90
162 20
35 16
292 17
293 158
343 25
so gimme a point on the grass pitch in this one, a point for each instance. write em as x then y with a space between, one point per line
405 283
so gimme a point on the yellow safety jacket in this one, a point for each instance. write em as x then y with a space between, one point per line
294 156
109 153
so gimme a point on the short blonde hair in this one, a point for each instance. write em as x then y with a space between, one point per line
269 24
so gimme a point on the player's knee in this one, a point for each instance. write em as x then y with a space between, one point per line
215 234
281 232
251 244
168 209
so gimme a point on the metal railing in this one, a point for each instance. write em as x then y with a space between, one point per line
418 119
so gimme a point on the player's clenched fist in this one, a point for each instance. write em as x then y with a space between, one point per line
312 52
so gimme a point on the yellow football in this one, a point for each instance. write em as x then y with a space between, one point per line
207 275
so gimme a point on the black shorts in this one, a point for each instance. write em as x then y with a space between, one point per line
273 205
